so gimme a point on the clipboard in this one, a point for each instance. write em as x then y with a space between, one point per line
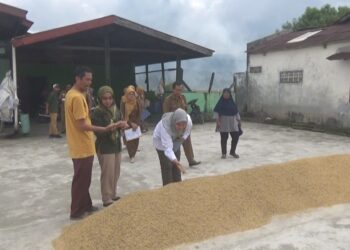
132 135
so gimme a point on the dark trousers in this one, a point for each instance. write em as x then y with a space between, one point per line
187 145
81 200
170 173
131 146
234 142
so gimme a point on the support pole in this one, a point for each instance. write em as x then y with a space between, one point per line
163 73
179 72
14 76
107 60
211 82
147 79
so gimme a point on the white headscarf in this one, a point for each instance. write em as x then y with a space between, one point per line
170 119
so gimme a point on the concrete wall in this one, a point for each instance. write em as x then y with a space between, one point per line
322 97
205 101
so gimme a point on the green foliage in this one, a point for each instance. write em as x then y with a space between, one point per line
316 18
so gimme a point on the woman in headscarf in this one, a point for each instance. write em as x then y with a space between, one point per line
108 145
169 134
142 100
131 111
228 121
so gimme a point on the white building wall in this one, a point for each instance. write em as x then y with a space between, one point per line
322 97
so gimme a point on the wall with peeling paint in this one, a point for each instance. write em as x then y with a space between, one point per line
322 97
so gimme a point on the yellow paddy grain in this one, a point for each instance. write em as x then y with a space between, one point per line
201 208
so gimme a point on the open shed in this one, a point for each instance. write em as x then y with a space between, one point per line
111 45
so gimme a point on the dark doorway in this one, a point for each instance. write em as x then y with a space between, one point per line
33 93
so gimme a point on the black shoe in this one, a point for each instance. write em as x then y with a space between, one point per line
107 204
93 209
194 163
51 136
57 136
234 155
116 198
80 217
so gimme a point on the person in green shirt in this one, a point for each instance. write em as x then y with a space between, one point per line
108 144
52 107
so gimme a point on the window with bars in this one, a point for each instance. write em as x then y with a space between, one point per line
255 70
294 76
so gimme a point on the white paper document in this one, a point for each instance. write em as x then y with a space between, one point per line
132 135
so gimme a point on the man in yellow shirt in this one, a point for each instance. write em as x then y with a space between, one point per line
81 143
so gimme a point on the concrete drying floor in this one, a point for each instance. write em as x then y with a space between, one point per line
35 179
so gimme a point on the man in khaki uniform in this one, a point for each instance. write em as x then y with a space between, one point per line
52 109
171 103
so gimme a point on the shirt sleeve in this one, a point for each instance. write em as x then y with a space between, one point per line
79 111
167 143
166 105
188 128
238 117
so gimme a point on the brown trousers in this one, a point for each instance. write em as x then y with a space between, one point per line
187 145
131 146
110 172
170 173
63 120
53 124
81 200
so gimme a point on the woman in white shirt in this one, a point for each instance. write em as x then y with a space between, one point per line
168 136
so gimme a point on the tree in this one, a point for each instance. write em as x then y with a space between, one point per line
316 18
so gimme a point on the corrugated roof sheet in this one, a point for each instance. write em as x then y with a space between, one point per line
13 21
276 42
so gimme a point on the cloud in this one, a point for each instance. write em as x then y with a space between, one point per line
223 25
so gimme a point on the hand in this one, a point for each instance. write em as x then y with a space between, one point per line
218 123
121 124
180 167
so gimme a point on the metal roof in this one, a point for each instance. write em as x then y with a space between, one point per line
85 42
13 22
338 32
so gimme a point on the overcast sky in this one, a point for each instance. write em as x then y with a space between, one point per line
222 25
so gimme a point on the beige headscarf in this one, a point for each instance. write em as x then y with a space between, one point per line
129 105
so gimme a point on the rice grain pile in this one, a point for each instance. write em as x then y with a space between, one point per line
201 208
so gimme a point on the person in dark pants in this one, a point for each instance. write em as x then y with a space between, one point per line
168 136
228 121
81 144
52 107
131 112
171 103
